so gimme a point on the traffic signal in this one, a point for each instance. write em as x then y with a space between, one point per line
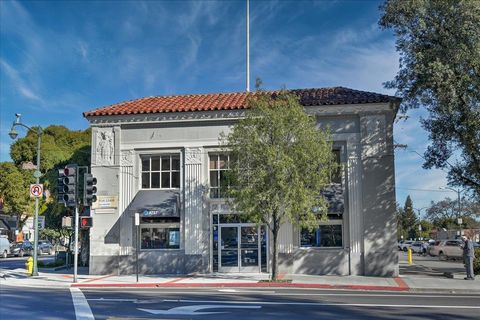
67 185
89 189
86 222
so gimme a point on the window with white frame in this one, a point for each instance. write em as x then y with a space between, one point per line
160 233
219 166
161 171
336 175
329 234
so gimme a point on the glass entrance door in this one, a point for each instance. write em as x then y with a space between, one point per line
228 249
239 250
249 257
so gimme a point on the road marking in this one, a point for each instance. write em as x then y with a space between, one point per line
82 309
324 304
113 300
244 291
192 310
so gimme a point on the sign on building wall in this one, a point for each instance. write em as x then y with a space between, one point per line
105 202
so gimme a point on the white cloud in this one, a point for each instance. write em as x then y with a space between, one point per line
19 83
83 49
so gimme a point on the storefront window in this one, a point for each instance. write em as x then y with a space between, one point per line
161 172
326 236
160 235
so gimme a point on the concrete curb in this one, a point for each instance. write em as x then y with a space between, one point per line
443 290
241 285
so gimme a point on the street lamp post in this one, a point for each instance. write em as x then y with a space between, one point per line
37 174
459 210
419 210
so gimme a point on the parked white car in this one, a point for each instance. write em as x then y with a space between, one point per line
419 247
447 249
4 247
405 245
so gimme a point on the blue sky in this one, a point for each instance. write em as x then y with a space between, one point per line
61 58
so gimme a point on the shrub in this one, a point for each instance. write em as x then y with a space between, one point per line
476 262
54 264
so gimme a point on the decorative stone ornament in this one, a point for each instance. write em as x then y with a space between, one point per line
126 158
193 156
105 147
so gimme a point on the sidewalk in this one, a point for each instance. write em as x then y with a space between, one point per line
407 283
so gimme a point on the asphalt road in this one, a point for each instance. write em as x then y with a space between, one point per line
44 303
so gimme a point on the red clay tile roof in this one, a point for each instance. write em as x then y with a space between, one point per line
235 100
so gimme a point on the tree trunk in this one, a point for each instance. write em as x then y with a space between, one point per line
275 254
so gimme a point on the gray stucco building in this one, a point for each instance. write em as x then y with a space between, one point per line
160 157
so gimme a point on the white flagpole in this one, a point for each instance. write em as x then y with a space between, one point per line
248 45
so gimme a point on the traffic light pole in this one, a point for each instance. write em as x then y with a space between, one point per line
75 254
77 224
69 194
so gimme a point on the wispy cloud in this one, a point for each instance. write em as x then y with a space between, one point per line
19 83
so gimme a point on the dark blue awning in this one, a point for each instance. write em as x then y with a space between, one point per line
155 203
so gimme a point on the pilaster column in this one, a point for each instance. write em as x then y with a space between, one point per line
355 217
195 236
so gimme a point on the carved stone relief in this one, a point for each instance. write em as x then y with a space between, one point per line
126 158
193 156
105 147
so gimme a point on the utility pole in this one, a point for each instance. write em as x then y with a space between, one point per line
459 206
419 210
248 45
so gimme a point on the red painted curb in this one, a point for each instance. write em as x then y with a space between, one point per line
239 285
401 283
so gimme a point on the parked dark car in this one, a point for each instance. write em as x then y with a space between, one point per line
21 249
44 246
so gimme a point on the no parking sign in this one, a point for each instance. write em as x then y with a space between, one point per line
36 190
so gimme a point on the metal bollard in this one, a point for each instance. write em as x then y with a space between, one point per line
410 260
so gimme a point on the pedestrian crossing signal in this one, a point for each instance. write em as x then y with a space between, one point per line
86 222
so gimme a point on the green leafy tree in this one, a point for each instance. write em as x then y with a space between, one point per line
59 145
427 228
439 46
14 190
409 219
282 163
